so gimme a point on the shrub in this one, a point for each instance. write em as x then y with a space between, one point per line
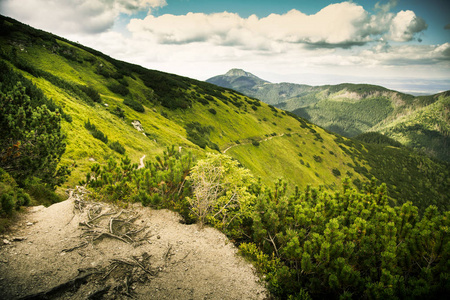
7 201
199 135
255 143
213 111
118 112
116 146
96 133
134 105
336 172
118 89
317 158
91 93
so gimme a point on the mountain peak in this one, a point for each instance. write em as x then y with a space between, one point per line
239 72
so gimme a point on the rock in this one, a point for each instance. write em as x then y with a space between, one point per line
29 224
91 159
6 242
138 126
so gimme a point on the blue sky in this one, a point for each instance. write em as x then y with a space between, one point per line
400 44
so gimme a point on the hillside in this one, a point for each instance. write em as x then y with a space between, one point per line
352 109
102 96
425 129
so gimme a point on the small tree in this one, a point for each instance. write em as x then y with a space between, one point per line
221 197
31 141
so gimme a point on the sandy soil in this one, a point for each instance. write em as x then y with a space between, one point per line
87 250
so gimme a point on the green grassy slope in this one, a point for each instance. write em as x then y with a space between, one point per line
425 129
353 109
187 113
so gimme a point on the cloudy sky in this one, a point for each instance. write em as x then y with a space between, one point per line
400 44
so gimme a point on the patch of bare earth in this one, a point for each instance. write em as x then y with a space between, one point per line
87 250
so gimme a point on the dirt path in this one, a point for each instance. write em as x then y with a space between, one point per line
246 143
141 162
84 250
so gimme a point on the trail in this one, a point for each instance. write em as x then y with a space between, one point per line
246 143
141 162
79 249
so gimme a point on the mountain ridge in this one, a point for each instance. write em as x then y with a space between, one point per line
352 109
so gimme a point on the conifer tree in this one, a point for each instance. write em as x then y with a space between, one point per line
31 141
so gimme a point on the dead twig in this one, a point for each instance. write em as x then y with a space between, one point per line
76 247
103 234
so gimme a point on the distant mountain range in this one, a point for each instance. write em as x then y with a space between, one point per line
348 109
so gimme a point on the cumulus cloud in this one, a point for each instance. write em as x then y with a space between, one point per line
341 25
74 16
405 25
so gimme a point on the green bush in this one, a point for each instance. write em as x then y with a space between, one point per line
318 158
96 133
91 93
336 172
134 105
116 146
199 135
8 202
213 111
118 88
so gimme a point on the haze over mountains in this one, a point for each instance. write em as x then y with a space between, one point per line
421 122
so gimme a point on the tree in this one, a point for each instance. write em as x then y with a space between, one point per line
221 195
31 143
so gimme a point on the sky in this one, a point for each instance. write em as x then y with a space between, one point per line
400 44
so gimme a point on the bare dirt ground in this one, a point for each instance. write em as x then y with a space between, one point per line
78 249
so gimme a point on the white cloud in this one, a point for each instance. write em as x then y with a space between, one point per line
404 26
74 16
341 25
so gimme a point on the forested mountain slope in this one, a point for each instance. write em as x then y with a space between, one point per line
101 97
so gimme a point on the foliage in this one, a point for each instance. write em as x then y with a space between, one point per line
160 184
118 88
11 196
199 135
96 133
377 138
350 244
134 105
336 172
32 142
118 112
117 146
9 79
412 177
91 93
221 193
